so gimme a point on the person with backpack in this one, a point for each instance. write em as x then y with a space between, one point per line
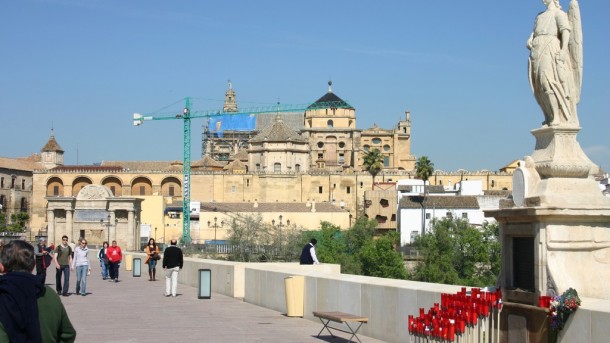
63 260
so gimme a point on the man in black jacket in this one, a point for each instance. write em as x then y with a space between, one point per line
172 263
308 255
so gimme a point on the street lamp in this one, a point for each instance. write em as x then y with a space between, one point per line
215 226
280 228
108 224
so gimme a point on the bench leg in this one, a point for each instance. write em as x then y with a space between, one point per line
325 327
354 332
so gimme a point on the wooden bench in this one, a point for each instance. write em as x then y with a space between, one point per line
343 318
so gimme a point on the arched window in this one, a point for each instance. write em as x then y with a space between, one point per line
114 184
297 168
277 167
79 183
329 124
141 186
55 187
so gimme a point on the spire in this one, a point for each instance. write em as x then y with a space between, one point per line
52 145
230 101
278 118
330 86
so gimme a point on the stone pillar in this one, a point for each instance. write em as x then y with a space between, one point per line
70 223
131 231
51 227
114 224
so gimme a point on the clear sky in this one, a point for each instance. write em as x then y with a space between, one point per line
84 67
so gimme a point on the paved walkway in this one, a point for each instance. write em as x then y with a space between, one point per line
135 310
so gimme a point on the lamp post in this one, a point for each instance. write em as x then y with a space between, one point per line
108 224
280 228
215 226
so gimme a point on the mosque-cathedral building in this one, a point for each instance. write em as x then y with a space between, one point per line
306 167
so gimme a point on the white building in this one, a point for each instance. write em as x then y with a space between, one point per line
464 200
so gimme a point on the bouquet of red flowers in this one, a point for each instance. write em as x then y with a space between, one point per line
562 306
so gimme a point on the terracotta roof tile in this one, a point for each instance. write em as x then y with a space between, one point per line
24 164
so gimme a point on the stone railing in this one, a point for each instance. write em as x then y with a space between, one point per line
386 302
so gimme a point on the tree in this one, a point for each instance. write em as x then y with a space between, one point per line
18 222
250 236
373 163
423 170
379 258
455 252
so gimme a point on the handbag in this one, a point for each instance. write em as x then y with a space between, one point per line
155 256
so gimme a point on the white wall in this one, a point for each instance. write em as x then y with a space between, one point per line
411 219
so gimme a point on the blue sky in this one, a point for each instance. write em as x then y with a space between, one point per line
84 67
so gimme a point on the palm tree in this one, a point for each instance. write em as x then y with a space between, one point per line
373 163
423 170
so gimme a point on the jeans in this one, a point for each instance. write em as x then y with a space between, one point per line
171 281
114 270
104 270
63 269
152 264
81 279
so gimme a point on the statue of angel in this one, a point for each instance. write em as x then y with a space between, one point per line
555 63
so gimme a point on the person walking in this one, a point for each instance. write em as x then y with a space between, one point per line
63 260
308 255
152 253
115 255
43 258
172 263
101 255
81 264
29 311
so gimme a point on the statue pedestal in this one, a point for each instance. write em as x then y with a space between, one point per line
548 250
558 153
555 234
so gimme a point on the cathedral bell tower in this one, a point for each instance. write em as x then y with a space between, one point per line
230 101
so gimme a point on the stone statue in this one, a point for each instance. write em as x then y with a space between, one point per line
555 63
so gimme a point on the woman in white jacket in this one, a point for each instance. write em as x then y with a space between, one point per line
80 262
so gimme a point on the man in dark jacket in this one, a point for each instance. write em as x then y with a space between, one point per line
43 258
172 263
29 311
308 255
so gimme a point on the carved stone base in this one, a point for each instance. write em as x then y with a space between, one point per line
558 153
